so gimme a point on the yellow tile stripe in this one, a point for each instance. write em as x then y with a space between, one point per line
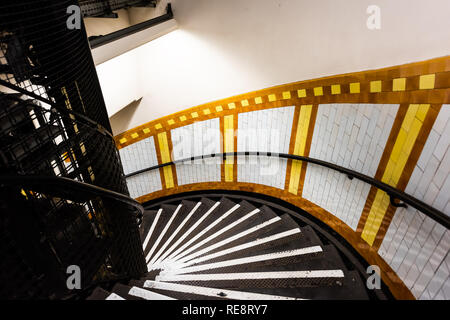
228 146
412 123
165 157
299 147
426 82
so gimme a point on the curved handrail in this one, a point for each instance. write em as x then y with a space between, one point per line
68 188
393 193
98 127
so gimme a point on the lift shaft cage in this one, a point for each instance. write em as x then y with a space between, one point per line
53 122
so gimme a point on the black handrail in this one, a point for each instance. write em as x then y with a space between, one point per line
393 193
68 189
119 34
98 127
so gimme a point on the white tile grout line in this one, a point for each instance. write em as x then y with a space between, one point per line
163 247
161 235
149 234
213 292
147 295
246 260
307 274
230 239
174 255
236 248
188 232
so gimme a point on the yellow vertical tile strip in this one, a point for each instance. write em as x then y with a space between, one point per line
165 157
404 143
228 147
299 147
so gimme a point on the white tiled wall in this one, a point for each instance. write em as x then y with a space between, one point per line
266 130
144 183
197 139
137 156
352 136
415 246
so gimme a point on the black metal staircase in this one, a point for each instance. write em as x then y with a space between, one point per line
63 197
212 247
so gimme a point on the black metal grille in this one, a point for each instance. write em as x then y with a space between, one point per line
94 8
53 122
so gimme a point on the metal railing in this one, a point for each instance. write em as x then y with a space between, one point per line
392 192
63 195
98 41
69 189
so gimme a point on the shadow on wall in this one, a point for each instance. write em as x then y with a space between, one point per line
121 121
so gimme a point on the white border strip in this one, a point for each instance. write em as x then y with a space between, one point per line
147 295
152 228
164 246
309 274
161 235
213 236
188 232
247 260
237 248
230 239
201 233
114 296
213 292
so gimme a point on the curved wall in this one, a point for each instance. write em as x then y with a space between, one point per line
392 124
224 48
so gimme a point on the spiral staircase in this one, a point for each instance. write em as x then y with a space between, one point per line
61 174
227 248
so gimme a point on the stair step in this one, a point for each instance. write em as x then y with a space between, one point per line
301 240
215 219
263 242
309 258
147 221
278 279
233 221
136 293
352 288
179 295
193 228
247 232
161 226
197 292
198 212
150 234
244 208
101 294
183 213
251 264
258 217
223 250
241 249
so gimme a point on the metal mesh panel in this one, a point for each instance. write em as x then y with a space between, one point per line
53 122
92 8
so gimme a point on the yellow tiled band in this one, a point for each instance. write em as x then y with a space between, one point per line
403 146
228 146
165 157
299 147
426 82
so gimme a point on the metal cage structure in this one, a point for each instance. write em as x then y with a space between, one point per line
54 124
